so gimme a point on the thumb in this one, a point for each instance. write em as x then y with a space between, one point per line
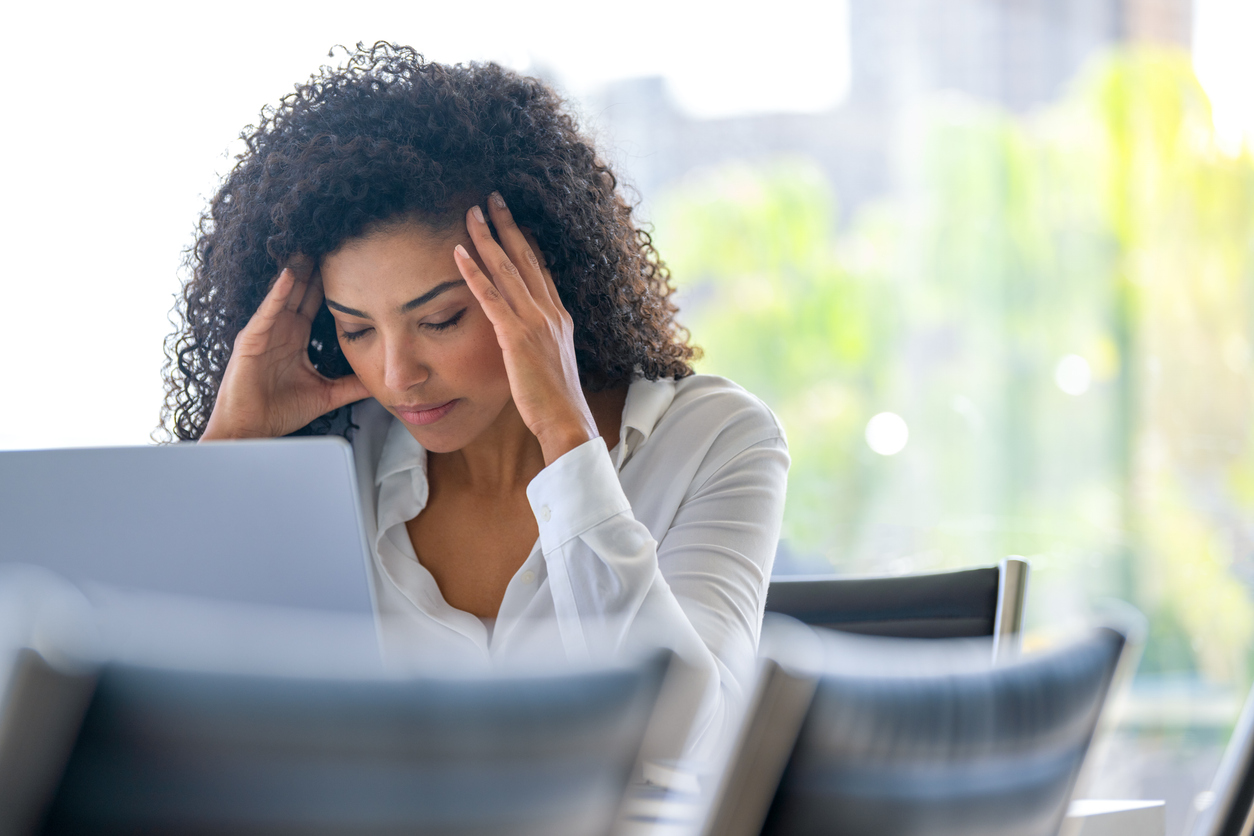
345 390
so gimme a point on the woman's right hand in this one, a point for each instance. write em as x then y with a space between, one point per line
270 388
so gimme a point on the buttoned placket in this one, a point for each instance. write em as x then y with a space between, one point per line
401 499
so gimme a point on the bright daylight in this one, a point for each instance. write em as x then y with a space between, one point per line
653 419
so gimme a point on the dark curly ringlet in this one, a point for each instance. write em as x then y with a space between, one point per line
389 135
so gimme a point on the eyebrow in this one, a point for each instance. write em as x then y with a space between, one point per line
408 306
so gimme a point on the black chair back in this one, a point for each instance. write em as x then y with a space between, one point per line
162 751
968 603
976 753
932 606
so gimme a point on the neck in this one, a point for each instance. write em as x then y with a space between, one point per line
504 458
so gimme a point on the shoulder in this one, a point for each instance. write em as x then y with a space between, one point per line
723 408
711 423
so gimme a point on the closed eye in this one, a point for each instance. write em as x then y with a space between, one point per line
446 324
350 336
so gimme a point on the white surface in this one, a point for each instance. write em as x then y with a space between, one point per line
1102 817
650 810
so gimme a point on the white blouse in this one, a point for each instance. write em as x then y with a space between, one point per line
667 540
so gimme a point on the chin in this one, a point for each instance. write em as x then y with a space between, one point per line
440 446
440 442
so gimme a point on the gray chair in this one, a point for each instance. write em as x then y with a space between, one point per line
986 601
186 752
890 737
1228 809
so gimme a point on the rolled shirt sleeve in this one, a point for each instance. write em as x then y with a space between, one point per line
700 591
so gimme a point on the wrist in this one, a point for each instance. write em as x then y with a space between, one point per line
222 432
563 438
221 428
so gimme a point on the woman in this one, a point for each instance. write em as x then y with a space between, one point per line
434 261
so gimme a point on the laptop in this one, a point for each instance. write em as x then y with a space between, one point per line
215 544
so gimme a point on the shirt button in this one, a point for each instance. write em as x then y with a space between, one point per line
528 576
545 514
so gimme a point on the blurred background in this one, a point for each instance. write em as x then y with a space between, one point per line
990 261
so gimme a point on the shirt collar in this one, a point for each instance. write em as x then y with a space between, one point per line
647 402
401 452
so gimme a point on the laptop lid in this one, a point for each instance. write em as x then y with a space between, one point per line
275 523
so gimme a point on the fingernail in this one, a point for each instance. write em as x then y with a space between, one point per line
497 200
478 213
462 250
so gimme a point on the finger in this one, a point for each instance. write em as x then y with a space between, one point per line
313 297
551 286
490 299
547 276
302 271
277 296
505 276
345 390
517 247
300 264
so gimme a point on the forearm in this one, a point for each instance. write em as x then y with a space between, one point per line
611 594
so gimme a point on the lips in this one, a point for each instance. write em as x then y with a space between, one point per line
420 414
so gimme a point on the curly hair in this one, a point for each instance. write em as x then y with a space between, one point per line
387 135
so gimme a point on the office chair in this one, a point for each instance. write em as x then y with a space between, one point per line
191 752
987 601
1230 811
870 736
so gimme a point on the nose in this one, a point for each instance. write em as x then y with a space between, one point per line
402 367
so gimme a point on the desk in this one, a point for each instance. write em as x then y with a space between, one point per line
657 811
1100 817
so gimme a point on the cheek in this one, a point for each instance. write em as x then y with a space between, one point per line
476 358
360 359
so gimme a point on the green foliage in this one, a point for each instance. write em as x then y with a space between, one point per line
774 309
1108 226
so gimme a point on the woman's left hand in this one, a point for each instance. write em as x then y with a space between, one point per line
536 334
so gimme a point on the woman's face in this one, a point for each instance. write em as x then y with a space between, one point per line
415 334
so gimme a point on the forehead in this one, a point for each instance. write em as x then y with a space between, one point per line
402 256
